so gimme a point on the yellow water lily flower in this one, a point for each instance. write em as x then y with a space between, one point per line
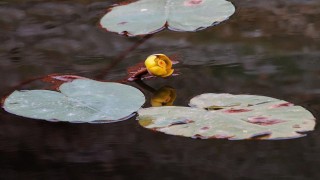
159 65
165 96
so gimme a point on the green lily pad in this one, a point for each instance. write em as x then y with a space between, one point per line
233 117
149 16
81 100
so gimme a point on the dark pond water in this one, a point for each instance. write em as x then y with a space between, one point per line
269 48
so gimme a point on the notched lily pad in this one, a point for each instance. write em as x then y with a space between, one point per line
150 16
80 100
231 117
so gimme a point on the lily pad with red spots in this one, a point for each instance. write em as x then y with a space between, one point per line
150 16
227 116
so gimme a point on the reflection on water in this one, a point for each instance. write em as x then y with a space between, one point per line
164 96
267 48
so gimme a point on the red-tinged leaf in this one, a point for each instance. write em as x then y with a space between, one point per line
57 79
122 23
204 128
221 136
282 105
136 72
198 136
216 136
296 126
125 2
264 121
259 121
236 110
139 71
187 121
135 68
192 2
65 78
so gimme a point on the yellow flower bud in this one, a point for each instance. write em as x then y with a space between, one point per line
165 96
159 65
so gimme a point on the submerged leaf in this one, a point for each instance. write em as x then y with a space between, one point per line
81 100
149 16
238 117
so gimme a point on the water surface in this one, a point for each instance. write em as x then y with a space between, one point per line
269 48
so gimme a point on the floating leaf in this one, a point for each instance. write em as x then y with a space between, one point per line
213 101
149 16
230 117
138 71
81 100
57 80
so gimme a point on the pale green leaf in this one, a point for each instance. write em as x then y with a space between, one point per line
149 16
78 101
